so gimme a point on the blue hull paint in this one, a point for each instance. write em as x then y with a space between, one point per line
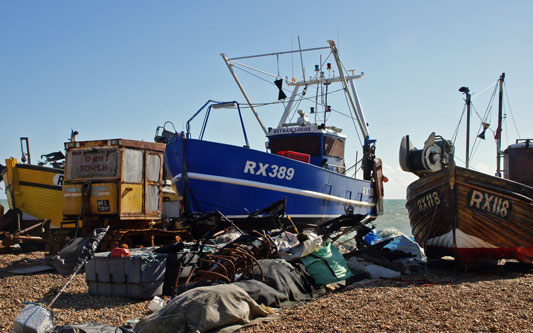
238 181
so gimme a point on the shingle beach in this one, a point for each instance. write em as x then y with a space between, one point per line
494 298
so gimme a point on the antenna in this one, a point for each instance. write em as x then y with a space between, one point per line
301 58
466 91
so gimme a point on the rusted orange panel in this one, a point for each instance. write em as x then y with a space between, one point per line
115 143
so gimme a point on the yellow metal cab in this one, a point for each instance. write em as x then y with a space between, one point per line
113 181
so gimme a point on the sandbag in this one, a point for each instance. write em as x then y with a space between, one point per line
378 272
262 293
203 309
326 265
287 279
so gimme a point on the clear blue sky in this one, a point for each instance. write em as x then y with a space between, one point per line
113 69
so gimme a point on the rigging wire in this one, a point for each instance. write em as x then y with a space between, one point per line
351 113
504 115
353 120
473 107
510 110
488 112
458 158
454 136
277 59
506 131
301 97
296 108
357 163
487 88
253 74
248 70
486 117
477 141
263 79
475 146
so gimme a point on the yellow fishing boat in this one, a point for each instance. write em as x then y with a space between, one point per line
35 190
34 195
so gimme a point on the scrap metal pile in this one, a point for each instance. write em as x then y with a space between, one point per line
229 262
226 251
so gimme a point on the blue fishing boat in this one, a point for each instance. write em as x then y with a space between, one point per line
303 163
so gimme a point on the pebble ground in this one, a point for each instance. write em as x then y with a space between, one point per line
437 299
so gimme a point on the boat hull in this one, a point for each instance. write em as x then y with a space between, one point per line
238 181
35 190
471 216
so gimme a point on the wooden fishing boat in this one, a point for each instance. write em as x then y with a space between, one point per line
459 212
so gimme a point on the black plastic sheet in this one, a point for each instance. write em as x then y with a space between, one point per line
77 252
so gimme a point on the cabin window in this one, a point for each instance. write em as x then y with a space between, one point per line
333 147
153 171
301 144
132 171
152 198
92 163
153 167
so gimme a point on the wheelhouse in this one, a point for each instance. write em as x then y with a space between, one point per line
324 145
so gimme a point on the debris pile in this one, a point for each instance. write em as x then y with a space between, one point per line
235 273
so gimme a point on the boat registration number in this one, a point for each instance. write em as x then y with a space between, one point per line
428 201
268 170
58 180
490 203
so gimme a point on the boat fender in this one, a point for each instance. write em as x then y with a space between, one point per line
120 252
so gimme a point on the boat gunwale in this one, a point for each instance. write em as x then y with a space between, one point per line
39 168
178 137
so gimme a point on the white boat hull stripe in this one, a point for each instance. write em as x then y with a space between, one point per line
462 240
278 188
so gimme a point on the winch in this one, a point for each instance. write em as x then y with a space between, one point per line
437 153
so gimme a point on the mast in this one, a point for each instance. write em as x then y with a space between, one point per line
362 124
466 91
498 135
